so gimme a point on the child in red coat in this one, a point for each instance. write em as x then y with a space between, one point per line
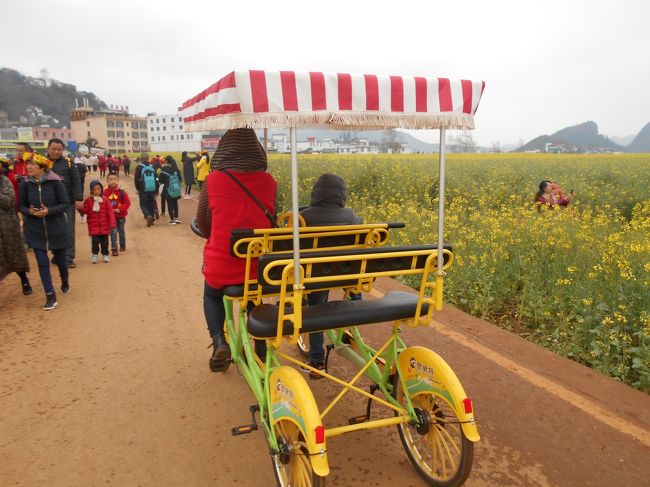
120 201
100 219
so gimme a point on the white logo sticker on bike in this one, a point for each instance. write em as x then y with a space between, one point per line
421 368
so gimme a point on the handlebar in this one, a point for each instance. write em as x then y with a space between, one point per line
195 228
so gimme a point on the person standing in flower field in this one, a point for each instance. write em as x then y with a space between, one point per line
549 195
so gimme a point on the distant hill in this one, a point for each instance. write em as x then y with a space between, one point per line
377 136
641 142
578 138
624 141
34 101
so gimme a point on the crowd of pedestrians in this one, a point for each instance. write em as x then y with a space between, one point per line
236 191
40 196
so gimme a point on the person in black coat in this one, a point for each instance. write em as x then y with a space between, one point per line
188 172
328 198
43 202
143 171
65 169
168 170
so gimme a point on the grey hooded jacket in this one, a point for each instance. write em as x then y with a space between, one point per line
328 204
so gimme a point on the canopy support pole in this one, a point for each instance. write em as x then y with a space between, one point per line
294 207
441 200
440 274
266 140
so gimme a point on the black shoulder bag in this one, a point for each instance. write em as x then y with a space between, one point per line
270 217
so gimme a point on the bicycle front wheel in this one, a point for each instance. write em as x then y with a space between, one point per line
292 465
438 447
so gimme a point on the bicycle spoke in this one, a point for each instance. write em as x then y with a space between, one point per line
444 432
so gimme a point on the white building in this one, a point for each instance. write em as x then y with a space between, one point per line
167 134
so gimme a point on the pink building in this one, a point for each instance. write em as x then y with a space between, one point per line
47 133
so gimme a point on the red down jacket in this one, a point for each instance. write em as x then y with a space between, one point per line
232 208
118 199
99 223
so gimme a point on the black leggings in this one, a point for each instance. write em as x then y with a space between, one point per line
172 206
215 312
98 241
188 189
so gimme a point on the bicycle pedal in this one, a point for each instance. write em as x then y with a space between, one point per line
358 419
243 430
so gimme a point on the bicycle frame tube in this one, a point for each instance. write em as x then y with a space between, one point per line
379 376
238 340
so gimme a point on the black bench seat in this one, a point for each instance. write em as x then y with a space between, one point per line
396 305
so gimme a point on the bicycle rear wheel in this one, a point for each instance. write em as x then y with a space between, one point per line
292 466
438 447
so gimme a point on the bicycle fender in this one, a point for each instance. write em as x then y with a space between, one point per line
292 399
423 370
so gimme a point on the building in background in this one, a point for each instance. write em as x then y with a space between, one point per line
45 132
167 134
36 137
114 129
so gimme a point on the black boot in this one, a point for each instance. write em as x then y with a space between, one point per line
27 288
220 360
65 286
50 302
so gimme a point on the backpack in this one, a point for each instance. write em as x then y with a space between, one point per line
173 186
148 178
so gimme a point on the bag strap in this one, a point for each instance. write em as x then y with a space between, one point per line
252 196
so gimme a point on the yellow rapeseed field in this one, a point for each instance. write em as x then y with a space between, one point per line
577 281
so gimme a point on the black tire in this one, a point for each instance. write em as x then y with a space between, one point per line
443 433
297 461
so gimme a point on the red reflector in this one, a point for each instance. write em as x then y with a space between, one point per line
320 434
467 404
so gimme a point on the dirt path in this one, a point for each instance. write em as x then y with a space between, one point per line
113 388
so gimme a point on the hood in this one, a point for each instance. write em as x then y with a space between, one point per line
52 176
46 176
94 183
329 190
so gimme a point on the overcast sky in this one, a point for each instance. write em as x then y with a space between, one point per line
547 64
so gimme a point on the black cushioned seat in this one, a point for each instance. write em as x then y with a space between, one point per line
397 305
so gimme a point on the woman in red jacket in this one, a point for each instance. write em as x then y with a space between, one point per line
100 219
224 206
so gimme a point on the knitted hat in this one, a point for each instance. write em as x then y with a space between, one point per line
239 150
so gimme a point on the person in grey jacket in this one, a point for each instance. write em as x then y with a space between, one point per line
43 202
328 198
67 171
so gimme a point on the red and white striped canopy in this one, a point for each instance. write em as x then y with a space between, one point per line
279 99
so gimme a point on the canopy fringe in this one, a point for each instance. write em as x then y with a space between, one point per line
334 121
